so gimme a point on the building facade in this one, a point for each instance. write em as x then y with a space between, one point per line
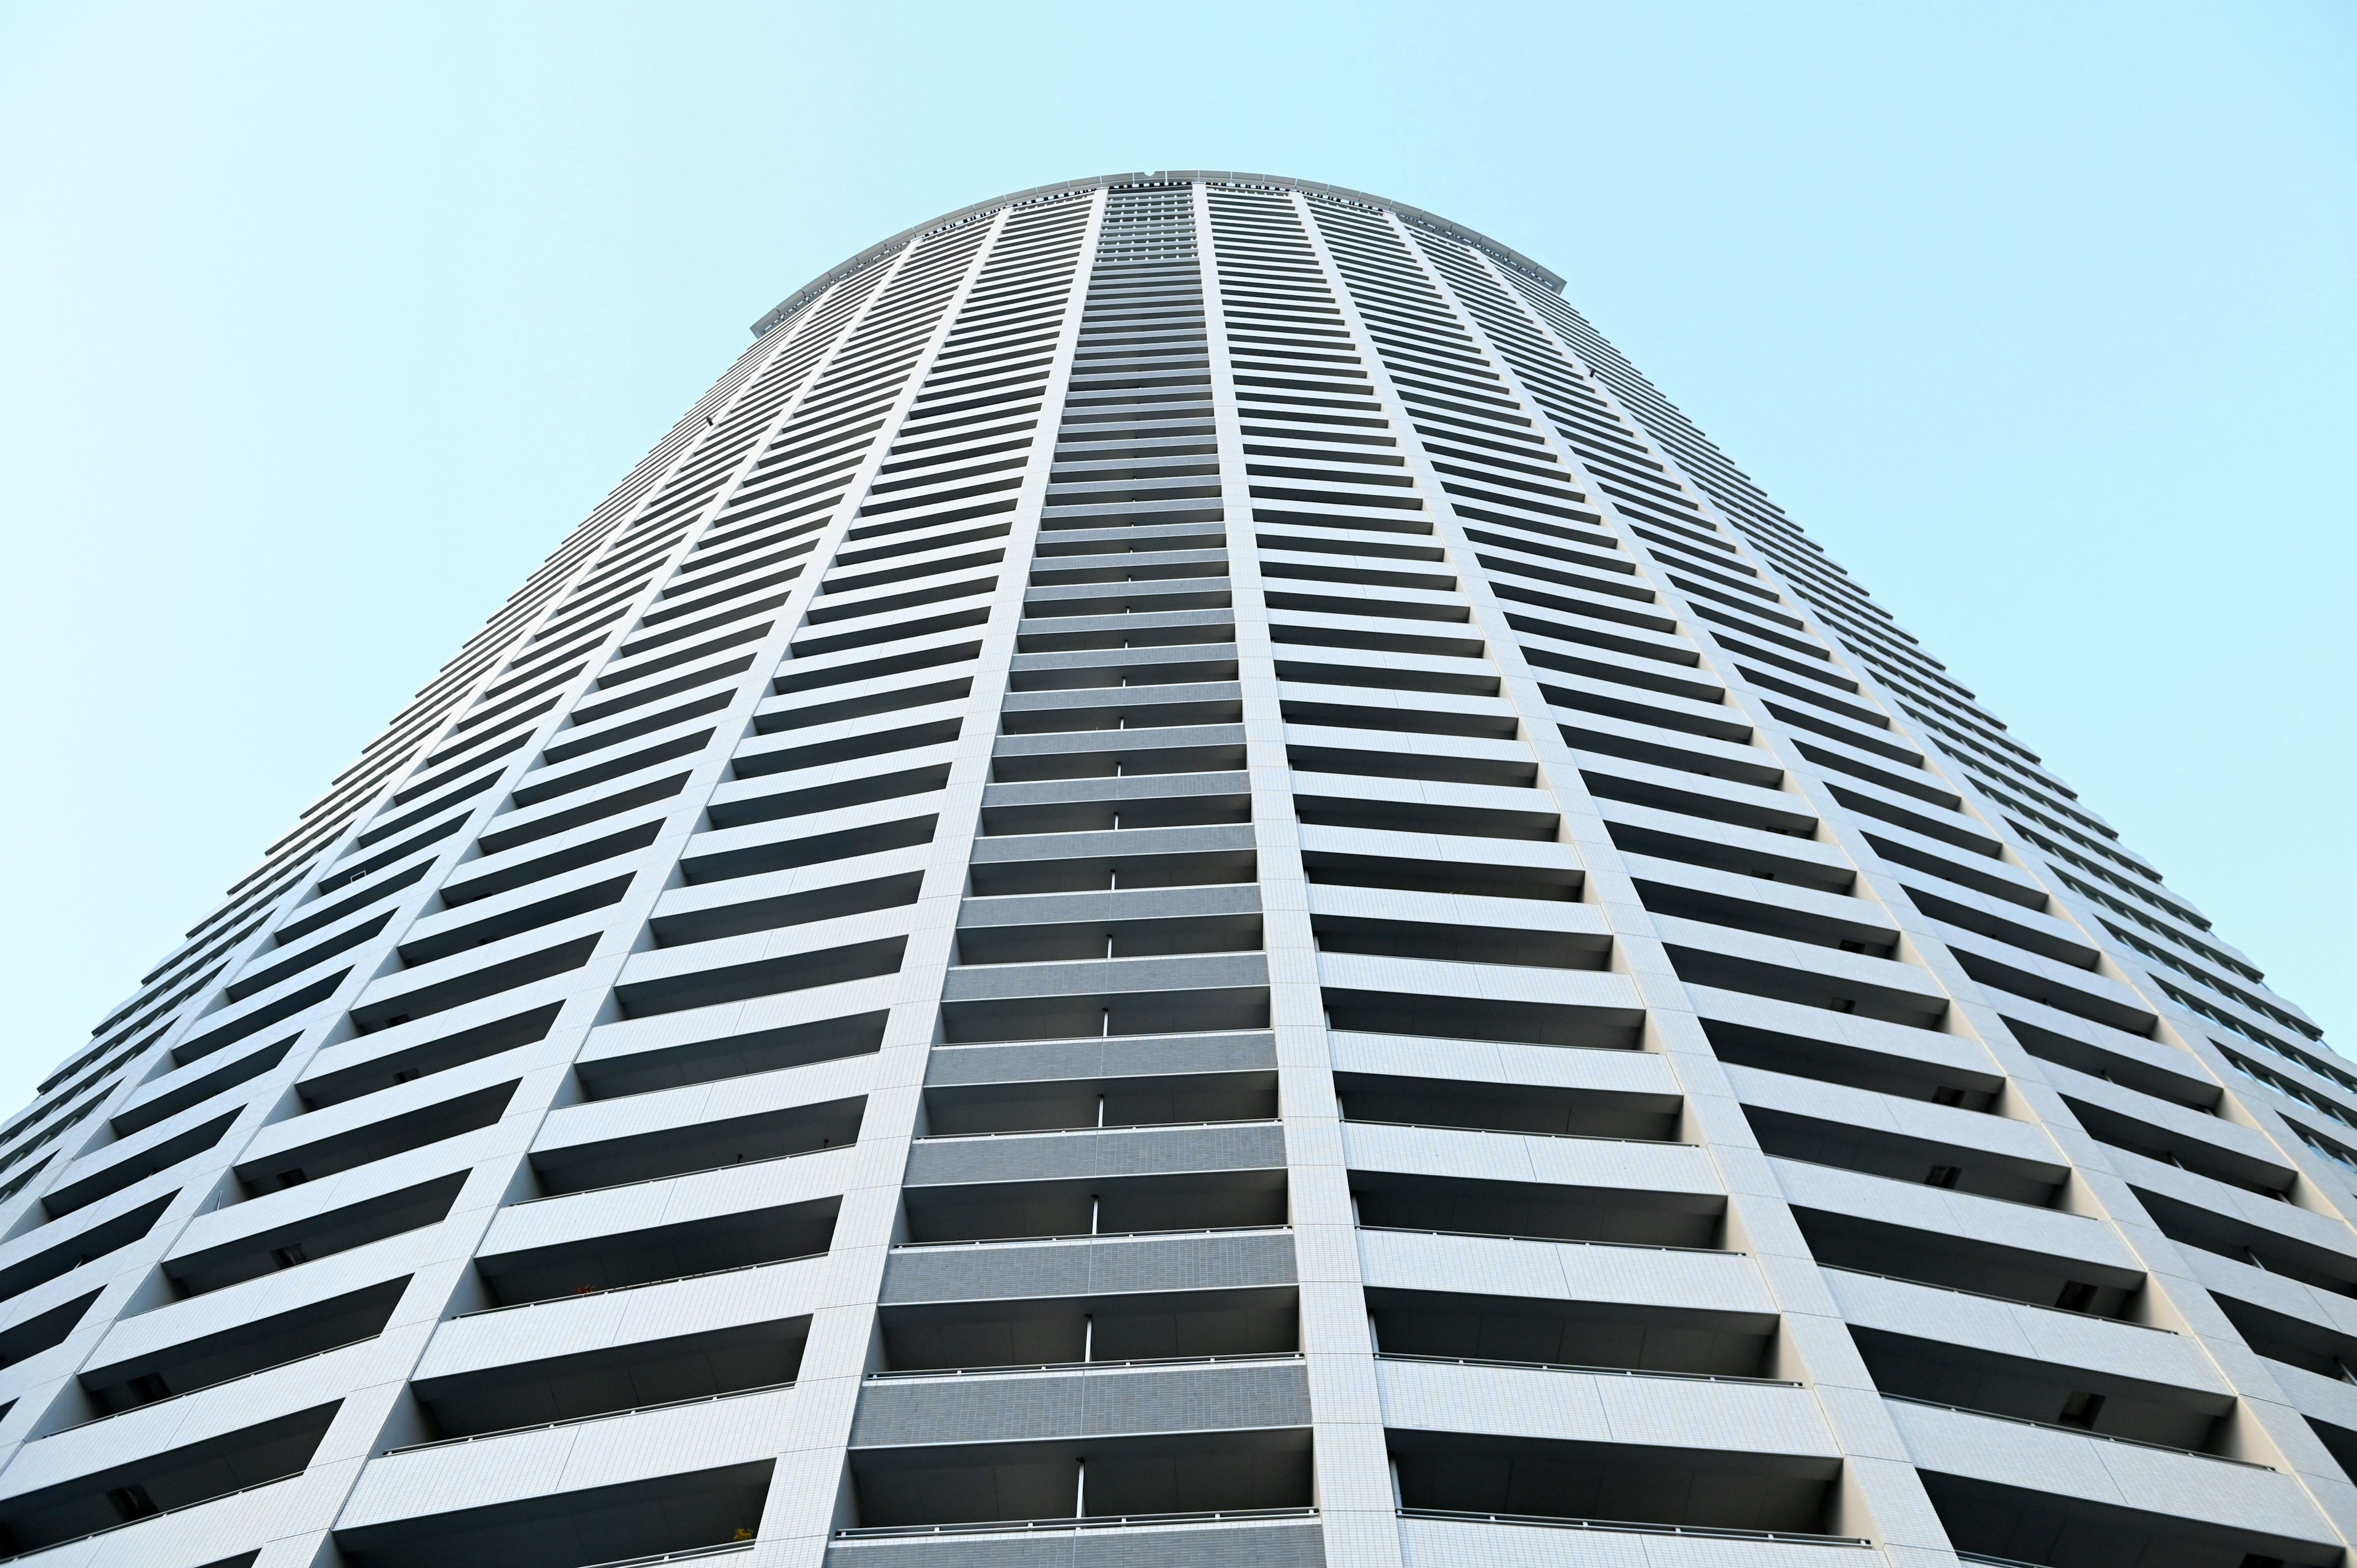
1183 882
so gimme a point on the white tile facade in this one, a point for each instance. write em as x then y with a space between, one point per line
1184 882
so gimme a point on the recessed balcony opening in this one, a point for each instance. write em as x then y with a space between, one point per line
2179 1086
1465 1205
379 1140
87 1245
1543 1480
1525 946
730 1055
701 1147
1833 993
1086 755
43 1331
1477 1018
1988 1520
2341 1442
2185 1151
966 1109
1099 1478
2310 1346
1533 1331
1764 857
157 1482
1551 883
1114 707
1065 1018
1401 718
1967 1378
1071 1330
695 989
1096 1205
126 1170
1103 805
1418 817
1471 682
1185 628
662 1252
1766 918
1829 1061
1507 1107
1108 870
1778 813
1369 638
1976 1268
2259 1246
1498 772
142 1115
613 1380
329 1084
1058 672
839 901
738 810
799 676
315 1235
1107 932
1871 1151
252 1346
574 1529
450 940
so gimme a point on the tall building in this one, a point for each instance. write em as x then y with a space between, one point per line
1184 885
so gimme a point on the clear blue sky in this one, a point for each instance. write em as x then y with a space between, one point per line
319 324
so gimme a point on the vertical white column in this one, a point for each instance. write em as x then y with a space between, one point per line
811 1492
1352 1465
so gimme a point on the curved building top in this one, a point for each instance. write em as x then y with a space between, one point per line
1504 253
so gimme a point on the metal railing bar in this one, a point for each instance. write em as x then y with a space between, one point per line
1556 1240
2077 1431
1636 1527
586 1420
679 1175
643 1284
1087 1365
1985 1296
1099 1236
1089 1521
1598 1372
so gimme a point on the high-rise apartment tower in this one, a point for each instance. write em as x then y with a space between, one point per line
1184 885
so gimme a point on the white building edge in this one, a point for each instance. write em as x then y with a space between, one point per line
1183 882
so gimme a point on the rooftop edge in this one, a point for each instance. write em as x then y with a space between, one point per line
786 307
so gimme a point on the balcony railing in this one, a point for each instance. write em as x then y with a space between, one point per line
1516 1133
159 1513
1088 1521
680 1175
1116 1127
225 1382
1556 1240
2077 1432
1087 1365
643 1284
1632 1527
1593 1372
584 1420
1098 1236
688 1555
1985 1296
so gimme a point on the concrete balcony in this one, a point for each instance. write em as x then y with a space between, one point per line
986 1406
1437 1541
1639 1410
2264 1506
1240 1258
1640 1276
